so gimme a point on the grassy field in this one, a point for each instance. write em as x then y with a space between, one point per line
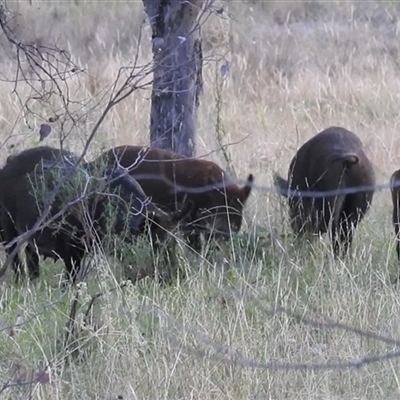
297 68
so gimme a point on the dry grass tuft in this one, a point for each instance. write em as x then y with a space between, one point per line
297 68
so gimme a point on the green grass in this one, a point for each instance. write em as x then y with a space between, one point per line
297 68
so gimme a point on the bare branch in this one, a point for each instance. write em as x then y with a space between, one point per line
52 69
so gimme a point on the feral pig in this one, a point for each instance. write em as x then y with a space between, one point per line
171 180
333 159
18 166
395 190
90 206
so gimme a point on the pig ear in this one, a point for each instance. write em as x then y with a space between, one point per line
281 185
10 158
247 188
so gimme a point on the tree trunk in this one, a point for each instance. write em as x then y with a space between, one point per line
177 73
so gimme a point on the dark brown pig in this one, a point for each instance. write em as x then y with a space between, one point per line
18 166
94 204
395 191
172 180
332 160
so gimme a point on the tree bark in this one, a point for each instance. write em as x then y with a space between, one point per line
177 84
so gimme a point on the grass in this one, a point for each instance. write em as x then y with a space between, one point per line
297 68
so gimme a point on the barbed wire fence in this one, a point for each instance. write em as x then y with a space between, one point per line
48 72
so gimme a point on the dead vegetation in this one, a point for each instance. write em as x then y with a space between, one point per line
296 67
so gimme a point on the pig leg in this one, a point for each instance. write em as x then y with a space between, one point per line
10 233
32 261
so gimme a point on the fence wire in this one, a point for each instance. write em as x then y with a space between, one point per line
267 189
